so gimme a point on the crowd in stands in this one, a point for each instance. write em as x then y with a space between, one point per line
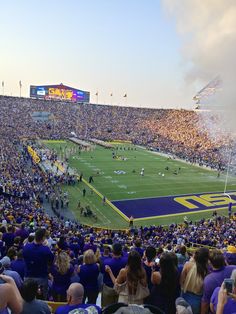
182 133
52 259
75 262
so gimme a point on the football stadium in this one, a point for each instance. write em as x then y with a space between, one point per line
119 204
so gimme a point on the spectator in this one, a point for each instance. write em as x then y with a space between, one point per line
182 255
6 263
9 296
138 247
165 284
61 272
75 296
89 245
62 244
31 304
88 273
2 246
230 255
215 278
149 264
37 258
18 265
22 232
131 282
223 302
9 236
11 253
116 263
192 278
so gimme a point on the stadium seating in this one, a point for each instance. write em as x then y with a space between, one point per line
25 187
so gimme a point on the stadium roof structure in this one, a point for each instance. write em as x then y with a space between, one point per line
209 90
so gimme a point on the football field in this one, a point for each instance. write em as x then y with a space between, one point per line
153 188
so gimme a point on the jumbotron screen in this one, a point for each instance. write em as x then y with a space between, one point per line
59 92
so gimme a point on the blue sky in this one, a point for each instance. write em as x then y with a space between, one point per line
122 46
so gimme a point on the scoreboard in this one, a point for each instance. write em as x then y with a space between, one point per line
59 92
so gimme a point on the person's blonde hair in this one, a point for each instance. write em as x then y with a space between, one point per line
89 257
97 255
62 262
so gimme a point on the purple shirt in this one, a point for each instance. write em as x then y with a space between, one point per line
22 233
61 282
89 276
8 238
230 306
230 258
90 246
65 309
18 265
37 257
115 264
215 279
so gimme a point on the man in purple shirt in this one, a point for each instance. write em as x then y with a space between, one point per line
90 245
75 294
37 259
117 262
18 264
215 278
8 237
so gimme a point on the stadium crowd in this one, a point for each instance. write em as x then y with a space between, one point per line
181 133
52 258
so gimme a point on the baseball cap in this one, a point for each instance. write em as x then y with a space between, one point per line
231 249
5 261
183 307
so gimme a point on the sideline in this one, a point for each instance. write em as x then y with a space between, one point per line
107 201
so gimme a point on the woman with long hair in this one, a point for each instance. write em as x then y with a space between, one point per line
131 282
61 271
192 278
165 284
88 273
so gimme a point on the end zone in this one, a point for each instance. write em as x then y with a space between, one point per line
149 208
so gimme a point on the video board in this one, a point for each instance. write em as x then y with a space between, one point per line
59 92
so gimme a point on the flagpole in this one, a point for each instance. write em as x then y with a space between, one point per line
3 88
125 96
111 97
96 97
20 87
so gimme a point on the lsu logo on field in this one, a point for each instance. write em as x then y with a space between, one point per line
203 201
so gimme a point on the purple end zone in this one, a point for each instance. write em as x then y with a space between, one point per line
168 205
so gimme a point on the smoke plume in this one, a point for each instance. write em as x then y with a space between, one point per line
208 33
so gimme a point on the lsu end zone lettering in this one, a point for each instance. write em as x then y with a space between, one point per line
205 200
147 208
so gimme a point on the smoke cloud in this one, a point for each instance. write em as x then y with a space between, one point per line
208 32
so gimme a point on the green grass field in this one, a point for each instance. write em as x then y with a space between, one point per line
130 185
